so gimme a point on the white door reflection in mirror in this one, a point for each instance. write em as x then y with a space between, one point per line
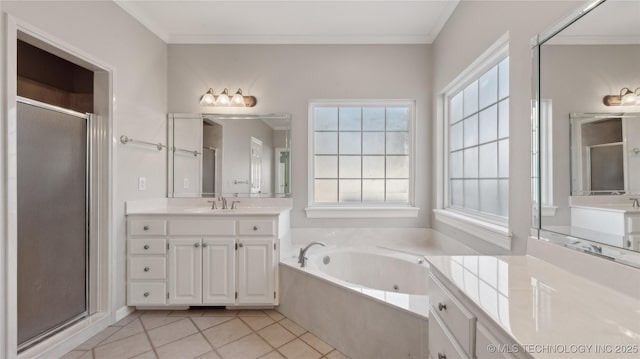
256 165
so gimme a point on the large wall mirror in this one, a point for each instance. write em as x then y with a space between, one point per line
588 131
229 155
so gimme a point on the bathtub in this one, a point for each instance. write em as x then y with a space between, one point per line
367 302
395 278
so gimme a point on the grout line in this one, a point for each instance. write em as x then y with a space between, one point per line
153 347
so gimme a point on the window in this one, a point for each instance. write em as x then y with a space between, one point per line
361 153
478 147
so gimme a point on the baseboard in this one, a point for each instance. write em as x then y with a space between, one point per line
123 312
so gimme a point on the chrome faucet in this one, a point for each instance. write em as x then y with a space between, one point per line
213 204
224 202
635 203
302 259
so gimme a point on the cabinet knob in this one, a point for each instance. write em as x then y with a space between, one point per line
442 306
146 294
146 228
204 245
255 228
146 269
197 245
442 356
240 245
146 246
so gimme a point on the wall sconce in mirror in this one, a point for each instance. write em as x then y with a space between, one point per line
625 98
223 100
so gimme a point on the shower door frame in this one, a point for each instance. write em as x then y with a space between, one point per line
89 238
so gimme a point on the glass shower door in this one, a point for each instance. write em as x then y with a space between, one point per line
52 165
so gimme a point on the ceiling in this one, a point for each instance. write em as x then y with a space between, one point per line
292 21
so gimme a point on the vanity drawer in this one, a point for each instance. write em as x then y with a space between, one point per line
143 227
147 246
202 227
484 339
147 268
256 228
142 293
441 344
454 315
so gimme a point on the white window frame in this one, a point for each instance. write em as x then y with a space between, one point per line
492 229
361 210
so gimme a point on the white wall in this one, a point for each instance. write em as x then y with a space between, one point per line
105 32
474 27
284 79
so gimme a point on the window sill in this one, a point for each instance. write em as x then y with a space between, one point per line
490 232
362 212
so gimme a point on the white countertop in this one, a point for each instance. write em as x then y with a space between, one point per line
207 211
201 207
537 303
610 207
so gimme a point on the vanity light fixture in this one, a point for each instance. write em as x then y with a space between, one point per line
625 98
223 100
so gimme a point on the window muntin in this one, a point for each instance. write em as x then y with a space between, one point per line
362 153
478 124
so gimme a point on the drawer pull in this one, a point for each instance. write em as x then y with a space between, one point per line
146 228
146 246
204 245
240 245
146 269
442 306
255 228
442 356
197 245
146 294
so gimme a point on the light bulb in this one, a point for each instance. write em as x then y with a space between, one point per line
208 99
223 99
238 100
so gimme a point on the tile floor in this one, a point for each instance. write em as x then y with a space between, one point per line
210 334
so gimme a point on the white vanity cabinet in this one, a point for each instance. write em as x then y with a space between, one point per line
204 260
458 330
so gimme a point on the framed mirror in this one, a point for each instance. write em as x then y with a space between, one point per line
587 131
229 155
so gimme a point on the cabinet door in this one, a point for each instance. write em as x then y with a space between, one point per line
185 271
256 271
218 271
